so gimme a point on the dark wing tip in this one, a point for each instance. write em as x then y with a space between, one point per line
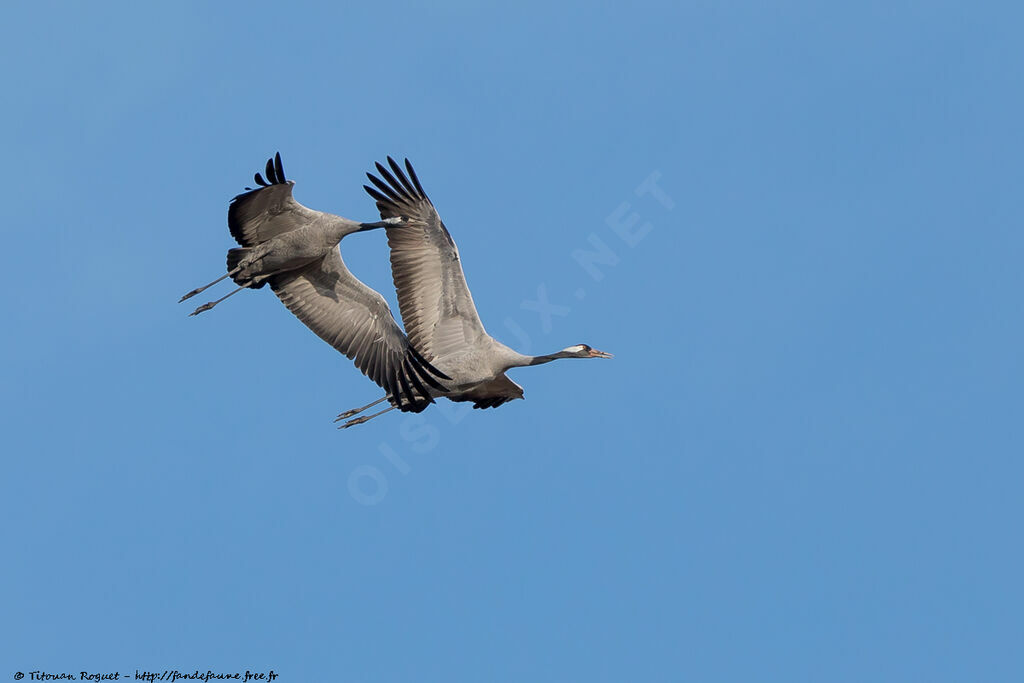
426 364
397 188
415 180
394 197
376 195
279 168
274 171
412 373
401 177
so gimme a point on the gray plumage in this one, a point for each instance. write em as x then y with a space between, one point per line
437 309
447 351
295 250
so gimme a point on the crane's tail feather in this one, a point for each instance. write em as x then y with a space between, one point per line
235 257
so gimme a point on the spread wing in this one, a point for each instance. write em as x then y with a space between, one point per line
268 211
356 321
437 308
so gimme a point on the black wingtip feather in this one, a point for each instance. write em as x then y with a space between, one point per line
384 187
425 376
427 365
396 186
376 195
279 167
401 176
415 180
413 373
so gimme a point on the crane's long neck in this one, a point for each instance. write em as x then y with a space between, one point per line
522 361
540 360
518 360
339 227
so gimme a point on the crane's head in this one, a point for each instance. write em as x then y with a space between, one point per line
584 351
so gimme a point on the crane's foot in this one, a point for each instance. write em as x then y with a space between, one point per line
353 423
191 294
204 307
350 413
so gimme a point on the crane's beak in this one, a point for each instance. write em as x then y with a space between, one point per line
594 353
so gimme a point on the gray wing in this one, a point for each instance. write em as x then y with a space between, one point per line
356 321
437 308
268 211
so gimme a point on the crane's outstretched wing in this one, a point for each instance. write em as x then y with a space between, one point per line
356 320
437 308
268 211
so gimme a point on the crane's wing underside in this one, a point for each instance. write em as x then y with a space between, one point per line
436 305
356 321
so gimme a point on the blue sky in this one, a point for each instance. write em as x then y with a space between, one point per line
804 463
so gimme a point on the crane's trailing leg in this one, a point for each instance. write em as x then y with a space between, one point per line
205 287
208 306
355 411
361 420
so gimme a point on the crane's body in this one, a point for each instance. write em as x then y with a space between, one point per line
292 250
